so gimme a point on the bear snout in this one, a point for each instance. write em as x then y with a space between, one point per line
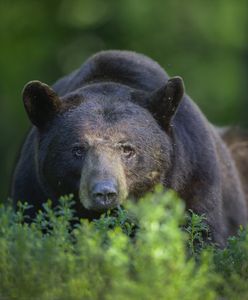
104 195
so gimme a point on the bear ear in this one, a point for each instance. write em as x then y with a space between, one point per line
41 102
165 101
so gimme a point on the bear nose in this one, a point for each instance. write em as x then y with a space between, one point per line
104 195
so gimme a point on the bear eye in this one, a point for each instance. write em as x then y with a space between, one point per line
127 150
78 151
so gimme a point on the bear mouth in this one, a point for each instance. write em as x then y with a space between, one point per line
96 214
100 203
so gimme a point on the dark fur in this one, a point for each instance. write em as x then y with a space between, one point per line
121 96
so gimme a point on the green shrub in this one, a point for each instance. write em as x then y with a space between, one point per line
232 264
139 254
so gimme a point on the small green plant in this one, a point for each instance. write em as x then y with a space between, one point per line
198 232
119 217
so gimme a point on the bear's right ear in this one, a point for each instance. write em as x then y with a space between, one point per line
41 102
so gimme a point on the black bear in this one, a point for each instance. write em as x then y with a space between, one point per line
115 128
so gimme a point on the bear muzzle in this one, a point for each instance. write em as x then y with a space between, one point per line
104 195
103 181
101 195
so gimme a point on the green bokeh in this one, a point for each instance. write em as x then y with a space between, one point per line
205 42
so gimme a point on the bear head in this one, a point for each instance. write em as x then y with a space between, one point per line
103 142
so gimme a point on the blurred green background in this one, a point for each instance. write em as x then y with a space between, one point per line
205 42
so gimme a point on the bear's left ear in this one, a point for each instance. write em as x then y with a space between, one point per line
164 102
41 102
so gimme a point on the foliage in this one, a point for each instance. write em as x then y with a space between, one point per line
137 252
105 259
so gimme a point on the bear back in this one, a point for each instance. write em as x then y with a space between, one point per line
134 70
